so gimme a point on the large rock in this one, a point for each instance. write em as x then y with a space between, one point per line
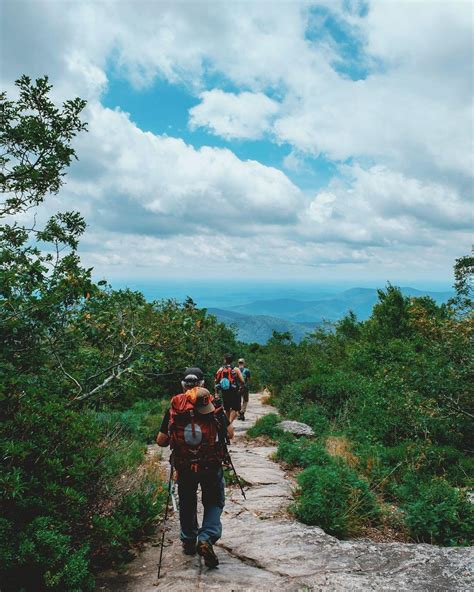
296 427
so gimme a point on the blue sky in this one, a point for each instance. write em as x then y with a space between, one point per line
163 108
328 142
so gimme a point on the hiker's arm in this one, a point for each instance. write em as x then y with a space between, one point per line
162 439
239 374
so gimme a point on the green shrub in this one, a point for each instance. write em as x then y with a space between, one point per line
46 553
141 422
398 470
113 533
313 415
266 426
440 514
389 412
59 469
333 497
302 452
328 388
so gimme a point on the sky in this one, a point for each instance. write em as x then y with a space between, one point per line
322 141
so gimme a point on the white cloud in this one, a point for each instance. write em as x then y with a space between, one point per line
246 115
409 121
165 182
381 207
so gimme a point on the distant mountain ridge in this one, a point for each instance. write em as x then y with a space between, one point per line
332 308
259 328
256 321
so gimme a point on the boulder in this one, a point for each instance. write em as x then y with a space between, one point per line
296 428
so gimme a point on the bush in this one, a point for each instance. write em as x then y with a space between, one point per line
313 415
141 422
114 533
440 514
266 426
328 388
333 497
61 468
302 452
46 550
397 471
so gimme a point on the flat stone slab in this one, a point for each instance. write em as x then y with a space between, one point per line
263 549
296 428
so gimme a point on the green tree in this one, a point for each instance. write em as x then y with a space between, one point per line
35 137
58 464
463 284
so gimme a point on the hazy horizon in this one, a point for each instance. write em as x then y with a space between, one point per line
211 292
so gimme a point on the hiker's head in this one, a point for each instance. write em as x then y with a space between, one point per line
193 377
201 399
197 372
228 358
241 362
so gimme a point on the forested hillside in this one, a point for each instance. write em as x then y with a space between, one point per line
259 328
83 371
329 308
390 401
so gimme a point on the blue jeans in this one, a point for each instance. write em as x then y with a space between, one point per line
213 498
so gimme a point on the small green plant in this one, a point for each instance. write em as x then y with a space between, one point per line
141 421
266 426
302 452
334 497
313 415
440 514
231 478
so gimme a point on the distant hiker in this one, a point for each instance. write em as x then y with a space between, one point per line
228 382
194 427
244 391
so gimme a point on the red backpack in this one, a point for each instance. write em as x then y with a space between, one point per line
226 378
194 437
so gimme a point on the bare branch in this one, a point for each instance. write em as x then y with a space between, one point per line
64 371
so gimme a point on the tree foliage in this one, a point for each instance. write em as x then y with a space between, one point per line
35 139
80 371
398 387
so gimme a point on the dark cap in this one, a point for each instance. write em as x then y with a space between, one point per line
197 372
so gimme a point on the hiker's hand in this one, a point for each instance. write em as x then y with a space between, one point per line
162 439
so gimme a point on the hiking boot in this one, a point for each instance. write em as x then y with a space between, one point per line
241 416
205 550
189 547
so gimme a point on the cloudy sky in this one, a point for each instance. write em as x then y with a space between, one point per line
320 140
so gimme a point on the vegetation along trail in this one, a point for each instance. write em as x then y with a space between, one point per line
263 548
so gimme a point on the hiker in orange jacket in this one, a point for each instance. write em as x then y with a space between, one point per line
193 427
228 383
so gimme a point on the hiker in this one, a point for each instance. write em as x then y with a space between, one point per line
228 382
194 426
244 390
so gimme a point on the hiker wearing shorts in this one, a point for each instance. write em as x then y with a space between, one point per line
228 382
244 389
193 427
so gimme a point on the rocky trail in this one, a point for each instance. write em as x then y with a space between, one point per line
263 548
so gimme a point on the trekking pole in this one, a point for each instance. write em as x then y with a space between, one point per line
170 485
224 440
228 459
